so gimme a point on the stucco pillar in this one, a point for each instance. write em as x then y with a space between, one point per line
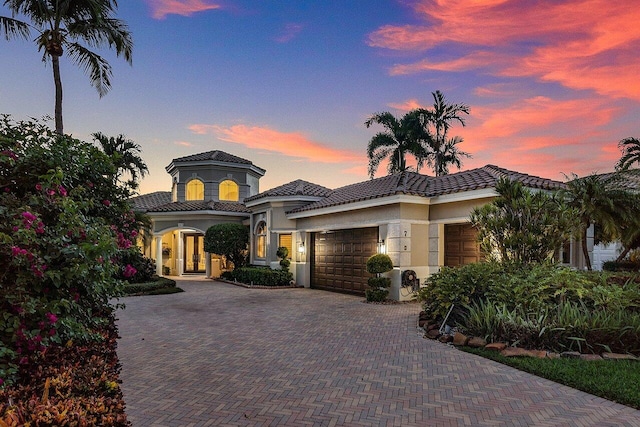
207 265
158 255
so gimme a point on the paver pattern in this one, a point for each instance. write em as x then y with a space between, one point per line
221 355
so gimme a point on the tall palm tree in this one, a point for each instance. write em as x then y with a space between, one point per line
630 148
443 151
401 137
124 154
61 25
597 201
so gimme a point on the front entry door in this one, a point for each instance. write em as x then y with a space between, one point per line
194 253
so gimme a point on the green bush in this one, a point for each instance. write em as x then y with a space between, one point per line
376 295
230 240
379 282
624 265
145 268
160 285
379 263
261 276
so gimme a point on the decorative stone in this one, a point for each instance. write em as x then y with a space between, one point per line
515 352
423 315
422 322
431 326
570 355
590 357
433 334
618 356
496 346
476 342
540 354
551 355
460 339
445 338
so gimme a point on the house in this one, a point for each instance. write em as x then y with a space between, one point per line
421 222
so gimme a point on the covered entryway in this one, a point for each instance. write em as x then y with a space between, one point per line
339 259
461 245
194 256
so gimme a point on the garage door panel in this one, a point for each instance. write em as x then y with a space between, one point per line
461 245
341 265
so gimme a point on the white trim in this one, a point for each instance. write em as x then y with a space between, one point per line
196 214
464 196
458 220
364 204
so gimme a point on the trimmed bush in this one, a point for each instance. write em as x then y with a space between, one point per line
376 295
160 286
379 263
624 265
261 276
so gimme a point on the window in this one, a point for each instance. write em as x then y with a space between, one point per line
229 191
285 240
195 190
261 240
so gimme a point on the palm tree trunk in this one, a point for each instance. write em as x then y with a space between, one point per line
623 254
55 59
585 250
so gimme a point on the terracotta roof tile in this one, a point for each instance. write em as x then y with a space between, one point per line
294 188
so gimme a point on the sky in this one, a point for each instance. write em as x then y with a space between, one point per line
552 86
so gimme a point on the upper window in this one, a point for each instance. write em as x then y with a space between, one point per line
261 240
195 190
229 191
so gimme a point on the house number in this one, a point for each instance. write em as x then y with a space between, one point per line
405 247
405 234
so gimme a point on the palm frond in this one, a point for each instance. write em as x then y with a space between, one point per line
13 28
96 67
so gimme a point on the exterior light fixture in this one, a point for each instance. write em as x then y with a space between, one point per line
301 247
382 248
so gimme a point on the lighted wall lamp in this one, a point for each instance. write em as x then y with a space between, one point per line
301 247
382 249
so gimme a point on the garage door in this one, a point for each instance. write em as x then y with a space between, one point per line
339 259
461 246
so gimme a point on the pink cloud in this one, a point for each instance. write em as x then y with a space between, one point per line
408 105
183 143
161 8
580 44
289 32
293 144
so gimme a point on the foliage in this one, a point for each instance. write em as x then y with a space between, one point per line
260 276
379 263
161 285
630 148
125 156
71 27
521 226
601 201
230 240
616 381
400 138
376 294
145 268
283 254
442 151
379 282
624 265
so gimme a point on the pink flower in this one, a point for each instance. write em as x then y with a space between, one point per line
28 218
62 191
107 203
129 271
51 192
39 187
10 154
52 318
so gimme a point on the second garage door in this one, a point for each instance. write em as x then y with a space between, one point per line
339 259
461 245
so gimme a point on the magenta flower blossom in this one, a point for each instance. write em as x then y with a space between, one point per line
62 191
52 318
107 203
39 187
129 271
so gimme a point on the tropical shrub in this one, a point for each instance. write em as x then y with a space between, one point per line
283 254
159 286
63 227
145 268
261 276
230 240
522 226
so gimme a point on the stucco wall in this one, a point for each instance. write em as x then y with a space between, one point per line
454 210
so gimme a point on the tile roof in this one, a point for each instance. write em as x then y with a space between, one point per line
151 200
412 183
215 155
201 205
625 180
298 187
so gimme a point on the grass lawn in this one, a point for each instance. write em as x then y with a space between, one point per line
615 380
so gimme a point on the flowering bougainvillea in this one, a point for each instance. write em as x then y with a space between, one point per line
62 214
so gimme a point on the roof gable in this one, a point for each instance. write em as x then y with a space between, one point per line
298 187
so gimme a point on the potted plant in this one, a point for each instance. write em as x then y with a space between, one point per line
166 251
377 264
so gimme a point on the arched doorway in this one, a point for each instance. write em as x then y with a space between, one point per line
194 255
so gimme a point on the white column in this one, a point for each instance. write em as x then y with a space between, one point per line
158 255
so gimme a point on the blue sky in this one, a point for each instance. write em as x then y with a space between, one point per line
552 86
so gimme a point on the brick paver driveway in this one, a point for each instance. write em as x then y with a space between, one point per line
223 355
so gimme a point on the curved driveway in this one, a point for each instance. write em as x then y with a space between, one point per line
220 355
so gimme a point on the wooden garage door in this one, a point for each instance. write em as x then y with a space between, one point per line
461 246
339 259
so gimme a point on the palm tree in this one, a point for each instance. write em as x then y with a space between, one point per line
597 201
61 26
443 151
630 148
124 155
401 137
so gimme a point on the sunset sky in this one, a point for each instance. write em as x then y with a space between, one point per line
288 84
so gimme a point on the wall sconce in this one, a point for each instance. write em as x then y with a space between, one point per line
382 248
301 248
